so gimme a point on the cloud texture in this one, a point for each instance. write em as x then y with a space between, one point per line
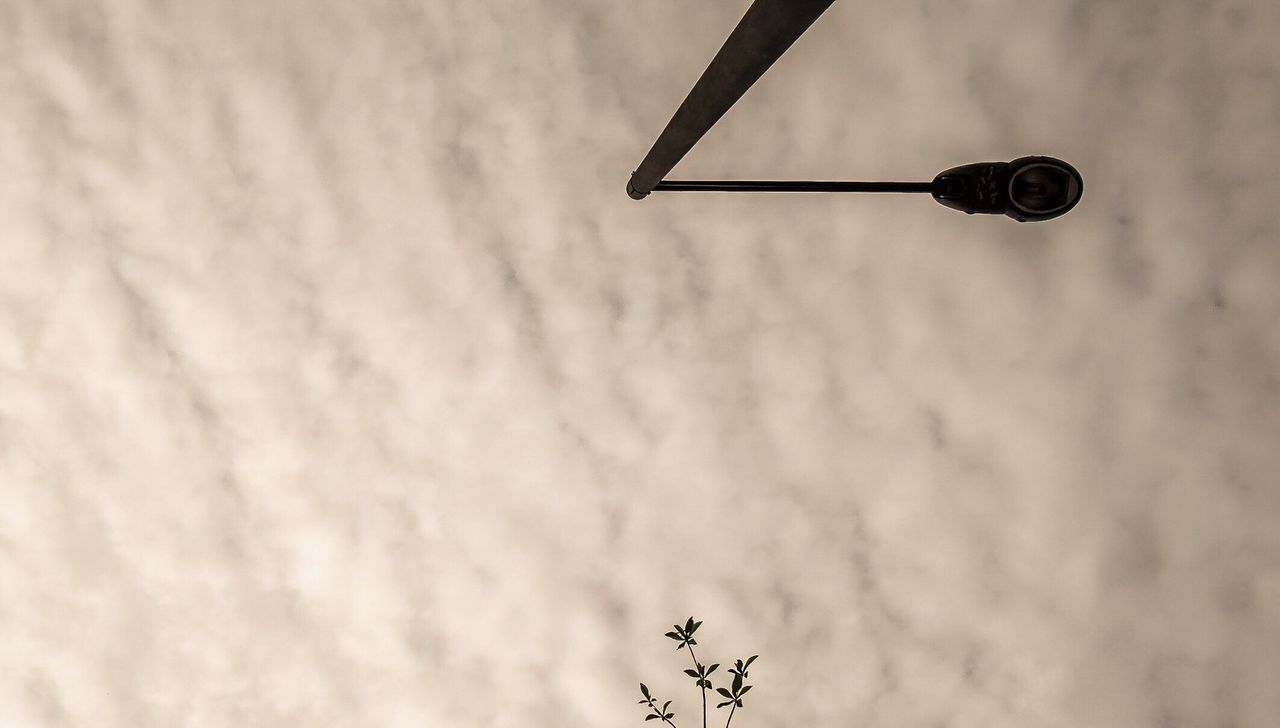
342 384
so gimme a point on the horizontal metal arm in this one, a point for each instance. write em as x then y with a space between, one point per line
747 185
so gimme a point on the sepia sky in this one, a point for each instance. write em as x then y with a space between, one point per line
341 383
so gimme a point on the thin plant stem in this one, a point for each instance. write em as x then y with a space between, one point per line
731 709
702 680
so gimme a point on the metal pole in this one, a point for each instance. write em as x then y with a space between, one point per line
766 32
789 186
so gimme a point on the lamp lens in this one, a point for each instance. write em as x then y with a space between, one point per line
1042 188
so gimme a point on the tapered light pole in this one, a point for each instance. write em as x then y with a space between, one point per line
764 34
1026 189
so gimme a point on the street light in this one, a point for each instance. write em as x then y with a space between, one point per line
1027 189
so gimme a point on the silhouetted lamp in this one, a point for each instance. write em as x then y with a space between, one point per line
1028 189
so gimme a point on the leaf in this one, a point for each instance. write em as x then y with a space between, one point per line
739 703
745 690
696 625
724 692
749 661
727 702
664 706
737 683
651 717
668 716
644 689
711 669
672 635
693 642
692 673
688 626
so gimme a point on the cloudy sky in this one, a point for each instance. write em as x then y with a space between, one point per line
341 384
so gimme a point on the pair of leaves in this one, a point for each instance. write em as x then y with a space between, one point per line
659 714
733 697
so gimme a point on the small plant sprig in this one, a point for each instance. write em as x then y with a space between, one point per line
651 701
734 695
701 675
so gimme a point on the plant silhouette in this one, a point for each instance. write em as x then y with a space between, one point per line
701 675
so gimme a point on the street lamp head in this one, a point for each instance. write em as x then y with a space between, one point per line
1028 189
